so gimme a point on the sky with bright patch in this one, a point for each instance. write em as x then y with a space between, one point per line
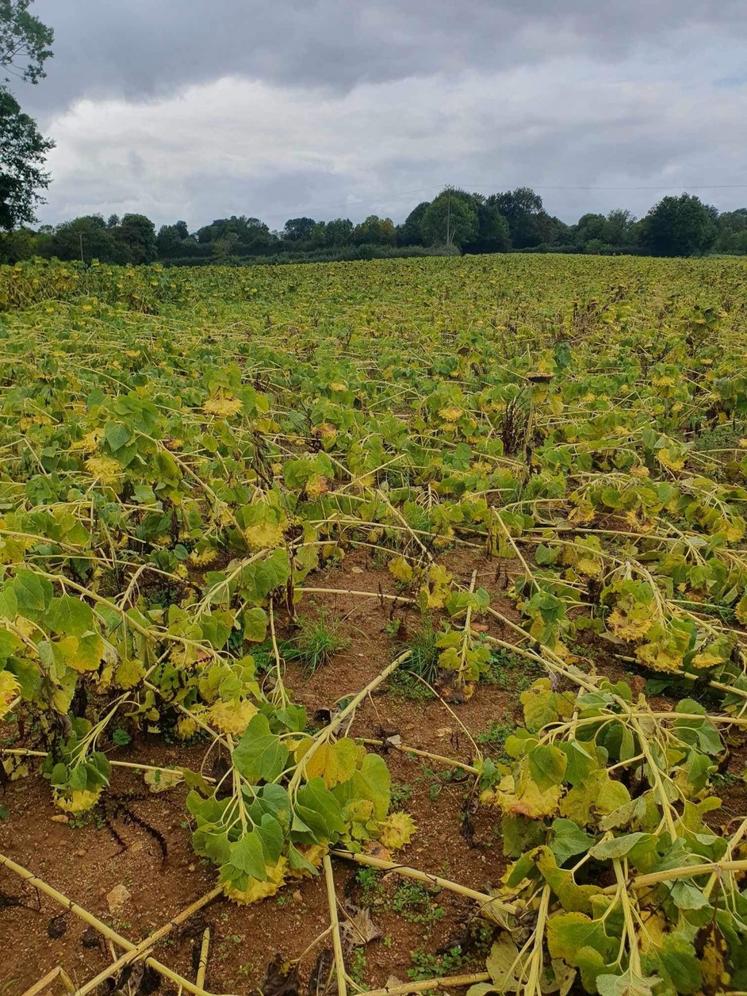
198 109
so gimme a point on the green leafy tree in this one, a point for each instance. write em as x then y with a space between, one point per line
22 165
493 233
253 237
21 243
732 231
298 229
451 219
137 236
375 231
175 240
680 226
87 238
24 47
24 41
338 232
527 220
410 232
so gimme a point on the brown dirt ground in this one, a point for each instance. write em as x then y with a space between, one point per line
454 838
86 861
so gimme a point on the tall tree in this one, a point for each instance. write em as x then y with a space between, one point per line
527 221
732 231
298 229
86 238
374 231
680 226
493 233
410 232
22 163
450 219
24 47
137 235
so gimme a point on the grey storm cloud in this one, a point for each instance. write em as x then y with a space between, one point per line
201 108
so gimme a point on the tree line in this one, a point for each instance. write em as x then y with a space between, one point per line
454 221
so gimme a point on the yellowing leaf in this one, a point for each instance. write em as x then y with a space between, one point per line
76 800
400 569
224 406
233 716
397 830
256 889
9 691
106 469
451 413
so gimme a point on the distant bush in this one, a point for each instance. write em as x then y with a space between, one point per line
341 254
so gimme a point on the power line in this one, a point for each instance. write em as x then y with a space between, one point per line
663 186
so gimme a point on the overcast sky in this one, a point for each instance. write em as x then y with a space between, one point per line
198 109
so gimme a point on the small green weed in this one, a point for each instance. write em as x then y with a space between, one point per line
511 672
401 793
431 966
424 653
357 966
415 903
368 881
495 736
405 685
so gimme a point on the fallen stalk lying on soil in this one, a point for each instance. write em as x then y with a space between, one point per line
144 946
404 749
335 925
425 985
49 978
496 904
99 925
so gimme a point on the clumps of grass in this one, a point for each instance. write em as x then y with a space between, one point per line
317 640
422 664
357 966
424 653
404 685
720 437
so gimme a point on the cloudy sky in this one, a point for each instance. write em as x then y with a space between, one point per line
198 109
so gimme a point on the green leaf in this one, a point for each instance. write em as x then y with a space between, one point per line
546 554
678 960
117 435
687 896
271 837
373 782
33 593
318 813
547 765
568 932
568 840
618 847
8 602
572 897
580 761
627 984
246 857
255 624
70 616
260 755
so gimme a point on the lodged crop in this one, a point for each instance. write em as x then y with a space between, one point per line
184 453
